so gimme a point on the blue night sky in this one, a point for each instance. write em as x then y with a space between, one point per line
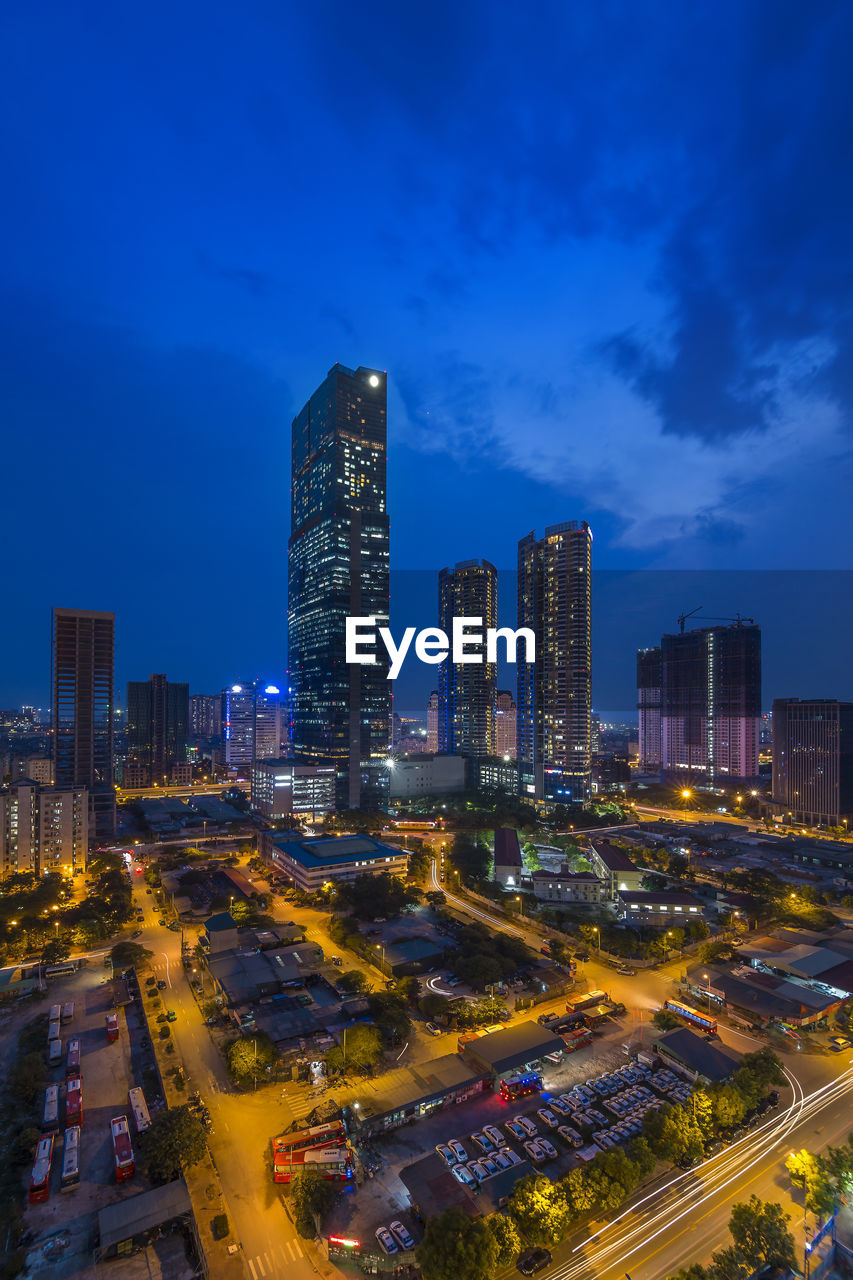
603 252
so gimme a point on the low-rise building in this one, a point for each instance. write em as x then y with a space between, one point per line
695 1056
410 1093
566 886
309 864
614 869
507 858
657 909
512 1048
282 789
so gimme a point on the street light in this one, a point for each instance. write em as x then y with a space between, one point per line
597 933
708 990
520 904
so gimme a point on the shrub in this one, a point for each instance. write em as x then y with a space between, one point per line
219 1226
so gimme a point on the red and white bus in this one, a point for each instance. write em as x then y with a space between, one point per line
74 1100
520 1084
71 1159
704 1021
577 1039
122 1148
72 1058
112 1027
50 1117
40 1177
288 1148
333 1163
139 1107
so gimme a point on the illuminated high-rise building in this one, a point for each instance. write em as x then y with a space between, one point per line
554 692
268 722
813 760
238 724
339 568
205 715
82 659
467 690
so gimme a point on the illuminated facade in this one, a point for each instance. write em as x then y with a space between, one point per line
554 693
83 710
339 567
268 723
281 789
432 722
157 727
205 715
467 690
813 760
43 829
238 724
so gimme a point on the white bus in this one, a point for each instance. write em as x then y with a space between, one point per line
71 1159
139 1107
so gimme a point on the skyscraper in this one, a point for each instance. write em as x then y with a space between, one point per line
205 715
505 724
467 691
82 656
554 693
157 725
649 677
432 722
238 724
339 567
813 760
710 704
268 722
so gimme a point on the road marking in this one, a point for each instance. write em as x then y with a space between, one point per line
252 1269
261 1266
297 1246
269 1262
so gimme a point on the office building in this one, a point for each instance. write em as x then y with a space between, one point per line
269 731
710 705
564 886
37 768
82 657
493 773
554 692
157 727
432 722
309 864
282 789
813 760
43 829
426 774
238 724
205 715
505 724
649 680
338 568
467 691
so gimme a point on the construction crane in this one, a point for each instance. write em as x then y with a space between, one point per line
738 618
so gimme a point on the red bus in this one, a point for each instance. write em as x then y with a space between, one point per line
112 1027
139 1107
519 1084
319 1135
577 1040
72 1058
702 1020
74 1101
122 1148
333 1163
40 1177
50 1117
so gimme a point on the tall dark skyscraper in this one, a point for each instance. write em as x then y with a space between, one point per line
554 693
157 725
467 690
813 760
339 567
710 705
82 662
649 678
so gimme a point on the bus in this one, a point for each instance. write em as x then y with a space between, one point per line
577 1039
421 824
112 1027
50 1116
54 1051
53 1030
67 1011
519 1084
74 1101
334 1164
139 1107
40 1177
704 1021
55 1013
319 1135
71 1159
575 1004
60 970
72 1058
122 1148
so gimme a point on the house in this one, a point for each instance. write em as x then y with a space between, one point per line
613 868
567 886
507 858
658 908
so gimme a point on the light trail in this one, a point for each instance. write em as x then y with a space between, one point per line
472 911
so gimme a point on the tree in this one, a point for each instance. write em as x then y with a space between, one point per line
311 1196
457 1247
175 1140
812 1173
408 989
359 1050
130 955
247 1059
390 1013
539 1209
353 980
469 857
55 951
759 1233
433 1005
506 1237
436 898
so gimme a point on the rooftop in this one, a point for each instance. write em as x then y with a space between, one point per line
698 1054
513 1046
614 859
330 851
131 1217
660 897
395 1090
222 920
507 850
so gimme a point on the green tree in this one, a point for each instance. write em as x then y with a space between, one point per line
728 1106
506 1237
311 1197
55 951
130 955
390 1013
359 1050
693 1272
433 1005
353 980
174 1141
665 1020
436 898
758 1230
247 1059
457 1247
408 989
539 1209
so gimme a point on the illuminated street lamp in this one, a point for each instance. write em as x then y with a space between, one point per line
520 904
597 933
707 989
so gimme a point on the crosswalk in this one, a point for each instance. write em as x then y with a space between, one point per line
273 1263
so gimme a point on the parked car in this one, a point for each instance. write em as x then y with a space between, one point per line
464 1175
515 1130
171 1016
527 1125
493 1134
547 1117
535 1152
482 1141
433 1029
502 1159
447 1155
402 1235
512 1156
458 1150
532 1261
386 1240
479 1170
562 1108
549 1148
490 1164
161 984
570 1135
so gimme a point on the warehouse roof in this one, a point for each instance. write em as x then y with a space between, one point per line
133 1217
513 1047
507 851
614 859
329 851
697 1054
